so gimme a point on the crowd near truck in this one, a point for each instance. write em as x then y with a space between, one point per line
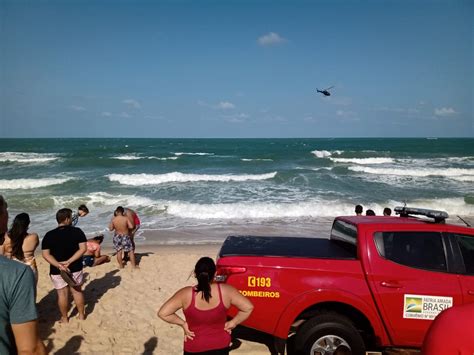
376 283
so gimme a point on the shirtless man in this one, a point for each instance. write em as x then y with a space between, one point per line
133 217
121 226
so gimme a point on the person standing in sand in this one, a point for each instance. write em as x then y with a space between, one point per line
20 245
18 316
121 225
63 248
206 329
135 220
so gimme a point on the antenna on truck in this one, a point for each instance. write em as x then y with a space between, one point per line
467 224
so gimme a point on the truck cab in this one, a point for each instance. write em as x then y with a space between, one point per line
377 282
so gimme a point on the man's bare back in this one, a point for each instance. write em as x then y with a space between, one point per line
120 224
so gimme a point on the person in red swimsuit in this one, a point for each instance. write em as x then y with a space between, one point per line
206 329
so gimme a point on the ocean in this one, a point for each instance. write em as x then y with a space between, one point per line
192 191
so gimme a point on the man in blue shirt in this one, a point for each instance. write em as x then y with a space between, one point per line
18 317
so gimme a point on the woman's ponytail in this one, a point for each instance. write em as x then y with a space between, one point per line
205 270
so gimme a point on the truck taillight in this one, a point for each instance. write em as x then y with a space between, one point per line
223 272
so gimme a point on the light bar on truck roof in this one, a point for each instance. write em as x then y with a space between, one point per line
438 216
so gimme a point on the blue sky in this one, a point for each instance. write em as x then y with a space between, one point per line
236 68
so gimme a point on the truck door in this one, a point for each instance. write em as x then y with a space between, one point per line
466 247
410 282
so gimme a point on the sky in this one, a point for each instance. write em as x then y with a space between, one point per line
232 69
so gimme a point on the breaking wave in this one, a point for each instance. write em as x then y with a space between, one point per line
25 158
367 161
256 159
449 172
155 179
16 184
191 153
136 157
326 153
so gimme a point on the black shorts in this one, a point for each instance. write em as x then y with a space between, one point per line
224 351
88 260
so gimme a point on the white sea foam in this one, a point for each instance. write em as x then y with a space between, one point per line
16 184
313 209
155 179
449 172
256 159
127 157
136 157
163 158
465 178
191 153
363 161
326 153
18 157
257 210
322 168
103 199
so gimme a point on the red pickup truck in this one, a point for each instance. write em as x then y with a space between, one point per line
376 283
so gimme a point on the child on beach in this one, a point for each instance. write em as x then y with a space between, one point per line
121 225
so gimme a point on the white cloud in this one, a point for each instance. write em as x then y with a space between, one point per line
270 39
106 114
222 105
225 105
125 115
132 103
78 108
445 111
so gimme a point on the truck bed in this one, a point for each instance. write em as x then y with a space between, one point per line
297 247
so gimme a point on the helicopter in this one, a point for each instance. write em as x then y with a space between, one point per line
325 92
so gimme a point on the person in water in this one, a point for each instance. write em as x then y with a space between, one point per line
206 329
20 245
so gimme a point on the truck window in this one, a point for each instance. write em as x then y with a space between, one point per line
421 250
345 235
466 244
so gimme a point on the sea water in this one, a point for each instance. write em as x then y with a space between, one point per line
226 185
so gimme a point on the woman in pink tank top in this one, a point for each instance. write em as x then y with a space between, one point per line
206 329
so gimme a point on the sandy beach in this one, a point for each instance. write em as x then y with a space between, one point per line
121 306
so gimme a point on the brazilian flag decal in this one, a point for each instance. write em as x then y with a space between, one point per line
413 304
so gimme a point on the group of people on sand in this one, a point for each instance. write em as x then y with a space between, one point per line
359 210
206 326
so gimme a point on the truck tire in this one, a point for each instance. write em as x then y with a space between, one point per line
323 333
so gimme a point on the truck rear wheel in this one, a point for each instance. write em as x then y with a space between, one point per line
323 334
